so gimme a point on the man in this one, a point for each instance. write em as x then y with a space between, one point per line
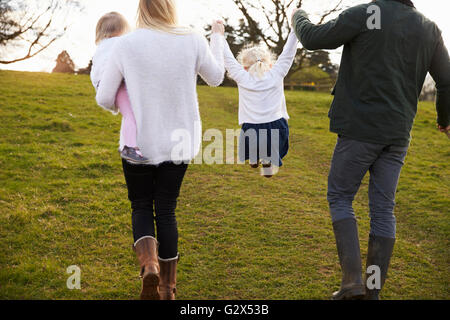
388 49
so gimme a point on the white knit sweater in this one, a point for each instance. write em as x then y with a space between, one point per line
262 100
160 70
100 59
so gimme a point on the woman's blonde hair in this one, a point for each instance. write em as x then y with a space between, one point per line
160 15
257 60
111 25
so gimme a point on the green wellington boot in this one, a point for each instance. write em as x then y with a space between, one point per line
347 243
379 254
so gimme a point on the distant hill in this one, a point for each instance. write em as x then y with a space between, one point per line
312 78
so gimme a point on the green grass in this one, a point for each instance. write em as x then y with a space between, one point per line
63 201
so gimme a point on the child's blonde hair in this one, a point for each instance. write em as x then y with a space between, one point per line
111 25
257 60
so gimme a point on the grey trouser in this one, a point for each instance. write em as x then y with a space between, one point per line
351 161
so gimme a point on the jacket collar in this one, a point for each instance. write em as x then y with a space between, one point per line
406 2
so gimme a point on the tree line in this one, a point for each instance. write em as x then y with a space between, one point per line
26 30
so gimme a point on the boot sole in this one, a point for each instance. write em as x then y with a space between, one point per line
150 284
350 294
135 162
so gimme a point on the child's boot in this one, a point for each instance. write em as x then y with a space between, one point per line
254 165
268 170
133 155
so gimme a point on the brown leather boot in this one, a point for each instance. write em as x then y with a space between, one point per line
147 253
168 282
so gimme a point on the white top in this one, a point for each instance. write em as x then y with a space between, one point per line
262 100
100 59
160 70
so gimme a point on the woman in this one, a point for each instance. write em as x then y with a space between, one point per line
159 63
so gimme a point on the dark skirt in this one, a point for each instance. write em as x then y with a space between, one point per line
267 142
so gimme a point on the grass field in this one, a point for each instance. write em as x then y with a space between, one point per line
63 201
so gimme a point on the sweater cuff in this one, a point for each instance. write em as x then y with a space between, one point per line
299 16
217 37
443 111
299 21
217 45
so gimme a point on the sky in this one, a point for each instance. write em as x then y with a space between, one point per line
80 36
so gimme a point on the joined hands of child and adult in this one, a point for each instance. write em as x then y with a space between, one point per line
218 26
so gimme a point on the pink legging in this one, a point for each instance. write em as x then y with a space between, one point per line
129 129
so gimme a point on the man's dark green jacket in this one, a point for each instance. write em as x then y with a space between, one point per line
382 70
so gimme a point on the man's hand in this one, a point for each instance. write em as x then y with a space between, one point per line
218 27
294 12
445 130
303 12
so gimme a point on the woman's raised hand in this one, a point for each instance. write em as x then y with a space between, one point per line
218 27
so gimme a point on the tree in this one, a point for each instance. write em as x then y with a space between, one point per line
86 70
274 27
64 63
321 59
24 28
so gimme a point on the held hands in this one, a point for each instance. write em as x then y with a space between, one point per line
294 12
218 27
303 12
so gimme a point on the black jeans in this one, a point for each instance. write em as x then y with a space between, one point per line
155 187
